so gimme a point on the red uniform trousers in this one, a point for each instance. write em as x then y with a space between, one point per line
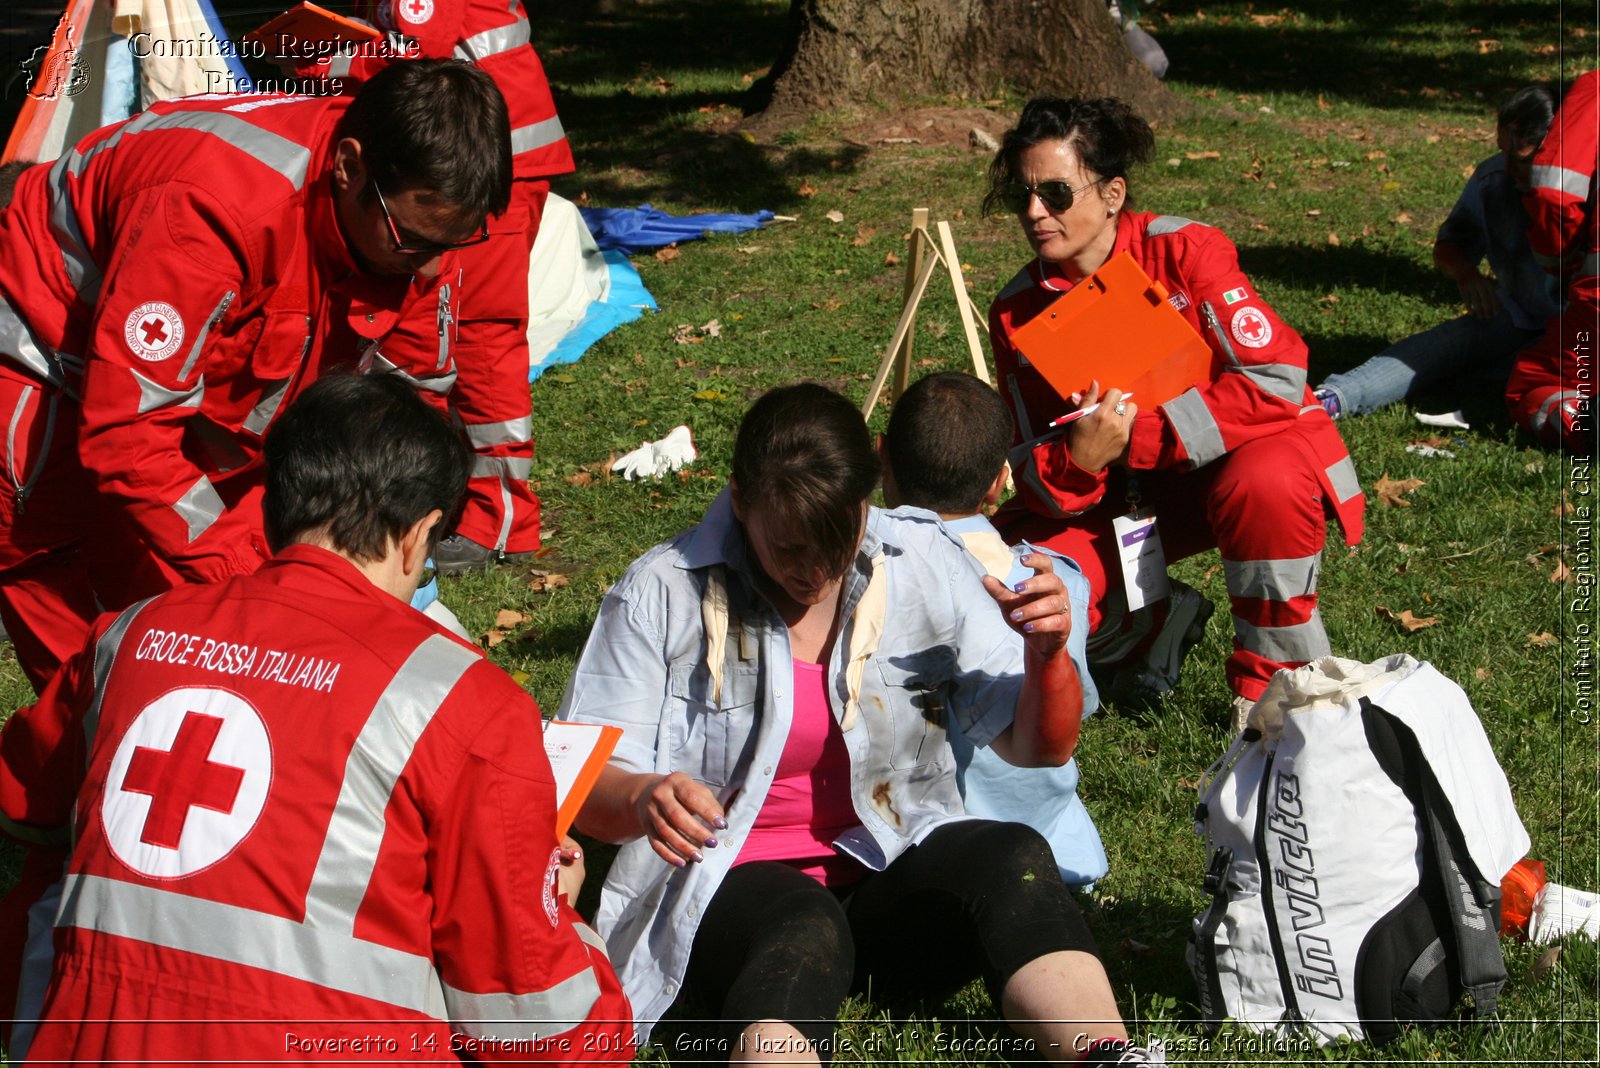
1262 505
1551 388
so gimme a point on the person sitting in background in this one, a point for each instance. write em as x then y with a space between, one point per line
783 675
1505 313
1244 461
302 816
945 452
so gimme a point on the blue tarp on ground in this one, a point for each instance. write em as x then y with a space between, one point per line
627 301
629 230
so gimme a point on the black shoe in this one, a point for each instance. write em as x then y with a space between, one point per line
455 555
1142 685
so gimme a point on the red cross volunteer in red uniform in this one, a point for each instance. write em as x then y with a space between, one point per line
1551 389
170 283
307 822
1248 462
484 379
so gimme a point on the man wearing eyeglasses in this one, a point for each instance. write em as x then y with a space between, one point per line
166 289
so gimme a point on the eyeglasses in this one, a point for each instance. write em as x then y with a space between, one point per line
1054 194
426 248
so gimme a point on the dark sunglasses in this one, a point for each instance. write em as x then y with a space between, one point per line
429 248
1055 195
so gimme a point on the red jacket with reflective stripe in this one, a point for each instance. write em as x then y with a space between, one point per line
184 274
1262 389
298 800
494 35
1564 223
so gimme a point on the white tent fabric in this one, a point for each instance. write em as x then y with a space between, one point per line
566 274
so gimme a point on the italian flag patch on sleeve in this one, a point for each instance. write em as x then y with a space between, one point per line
1233 296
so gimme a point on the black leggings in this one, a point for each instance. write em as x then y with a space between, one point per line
976 898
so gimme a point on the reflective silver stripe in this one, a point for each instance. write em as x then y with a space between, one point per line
199 507
1295 644
265 147
105 657
385 744
75 259
163 917
1572 183
1283 380
17 340
1168 224
1273 580
507 510
536 135
381 364
153 396
524 1016
200 339
1195 426
266 408
493 42
592 937
1548 262
339 66
511 432
1342 477
1542 416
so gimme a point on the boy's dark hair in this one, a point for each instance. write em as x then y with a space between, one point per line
1107 134
947 440
359 459
1527 114
804 458
438 124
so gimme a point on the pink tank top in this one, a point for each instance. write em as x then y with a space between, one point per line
809 803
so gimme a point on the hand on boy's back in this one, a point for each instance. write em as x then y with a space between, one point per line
1037 608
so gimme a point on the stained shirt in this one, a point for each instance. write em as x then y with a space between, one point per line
694 665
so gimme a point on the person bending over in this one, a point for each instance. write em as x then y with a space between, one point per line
1246 461
784 674
1505 313
305 820
945 452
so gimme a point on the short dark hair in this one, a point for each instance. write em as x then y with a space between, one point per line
804 457
947 440
1527 114
437 124
1107 134
359 459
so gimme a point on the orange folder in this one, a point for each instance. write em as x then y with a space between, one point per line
578 753
1117 327
307 24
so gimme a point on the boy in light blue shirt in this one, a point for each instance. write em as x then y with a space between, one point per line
945 452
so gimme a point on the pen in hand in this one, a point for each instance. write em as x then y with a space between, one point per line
1073 417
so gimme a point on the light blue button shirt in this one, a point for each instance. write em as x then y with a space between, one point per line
945 651
1045 799
1489 222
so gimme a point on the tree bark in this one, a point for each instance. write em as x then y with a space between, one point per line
843 52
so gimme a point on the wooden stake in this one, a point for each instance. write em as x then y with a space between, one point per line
914 258
902 332
979 365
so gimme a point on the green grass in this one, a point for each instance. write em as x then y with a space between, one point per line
1357 120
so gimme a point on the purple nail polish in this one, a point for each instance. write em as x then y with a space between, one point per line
696 856
679 862
711 843
1016 615
1021 587
720 824
1028 627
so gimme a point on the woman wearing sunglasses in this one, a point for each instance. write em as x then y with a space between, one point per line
1247 461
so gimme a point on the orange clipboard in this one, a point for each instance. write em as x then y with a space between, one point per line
1117 327
306 23
578 753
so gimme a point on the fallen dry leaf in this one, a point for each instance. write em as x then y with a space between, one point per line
668 254
748 250
863 235
835 216
1322 105
508 617
1403 217
710 395
1190 784
1202 155
580 478
1562 573
1314 213
712 329
1391 491
1481 674
808 190
1487 45
1433 441
1333 239
1565 507
1212 570
891 260
544 581
1546 962
1541 640
1404 619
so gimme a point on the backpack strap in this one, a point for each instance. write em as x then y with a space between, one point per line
1213 1005
1474 903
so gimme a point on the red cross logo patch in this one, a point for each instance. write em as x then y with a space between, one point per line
187 783
154 331
1250 327
416 12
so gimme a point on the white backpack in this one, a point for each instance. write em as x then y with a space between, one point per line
1356 834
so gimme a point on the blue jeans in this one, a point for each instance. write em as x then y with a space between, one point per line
1465 347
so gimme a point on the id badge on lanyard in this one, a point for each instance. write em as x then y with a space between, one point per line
1144 564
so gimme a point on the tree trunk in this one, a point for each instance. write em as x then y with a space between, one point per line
843 52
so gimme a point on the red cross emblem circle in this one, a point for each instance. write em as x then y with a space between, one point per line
1250 327
153 331
416 12
187 782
